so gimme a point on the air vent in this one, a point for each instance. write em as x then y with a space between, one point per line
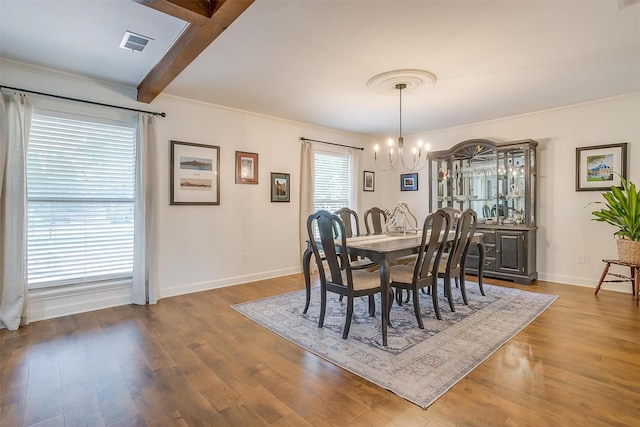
135 42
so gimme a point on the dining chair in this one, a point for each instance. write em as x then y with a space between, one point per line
378 219
342 279
349 219
452 263
424 272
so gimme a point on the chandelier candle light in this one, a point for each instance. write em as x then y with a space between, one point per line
400 80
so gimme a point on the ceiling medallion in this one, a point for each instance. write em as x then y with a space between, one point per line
414 79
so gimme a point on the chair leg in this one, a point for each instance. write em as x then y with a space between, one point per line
372 306
434 298
602 277
347 322
447 291
416 308
463 289
323 306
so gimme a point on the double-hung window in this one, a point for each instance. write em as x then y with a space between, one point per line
332 180
80 199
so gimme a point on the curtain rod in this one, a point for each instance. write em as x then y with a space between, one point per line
82 100
302 138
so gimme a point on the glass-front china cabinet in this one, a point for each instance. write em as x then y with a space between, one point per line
498 181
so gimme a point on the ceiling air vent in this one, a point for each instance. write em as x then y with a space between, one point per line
134 42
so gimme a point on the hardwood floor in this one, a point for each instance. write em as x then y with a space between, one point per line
191 360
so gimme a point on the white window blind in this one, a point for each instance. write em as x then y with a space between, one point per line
331 180
81 189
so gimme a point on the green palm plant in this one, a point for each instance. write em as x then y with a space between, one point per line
622 210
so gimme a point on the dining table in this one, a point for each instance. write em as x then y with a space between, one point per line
383 249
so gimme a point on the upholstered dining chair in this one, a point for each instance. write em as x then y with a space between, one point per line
452 263
378 219
342 279
424 272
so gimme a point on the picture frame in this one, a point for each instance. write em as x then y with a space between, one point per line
600 167
368 181
409 182
280 187
246 167
195 174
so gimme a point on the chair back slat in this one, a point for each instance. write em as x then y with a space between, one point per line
435 232
326 224
465 228
349 219
377 217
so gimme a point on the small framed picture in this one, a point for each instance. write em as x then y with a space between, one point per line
194 174
368 181
409 182
280 187
246 168
600 167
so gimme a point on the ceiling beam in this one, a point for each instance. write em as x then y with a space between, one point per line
195 12
193 40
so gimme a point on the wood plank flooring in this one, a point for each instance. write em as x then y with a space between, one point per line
191 360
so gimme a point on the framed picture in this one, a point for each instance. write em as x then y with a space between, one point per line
280 188
409 182
600 167
195 177
246 168
368 181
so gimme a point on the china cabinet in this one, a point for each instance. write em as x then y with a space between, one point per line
498 181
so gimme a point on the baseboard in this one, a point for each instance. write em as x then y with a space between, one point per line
228 281
586 283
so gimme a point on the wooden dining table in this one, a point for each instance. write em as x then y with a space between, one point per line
383 249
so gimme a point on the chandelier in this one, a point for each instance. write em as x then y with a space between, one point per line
417 162
393 156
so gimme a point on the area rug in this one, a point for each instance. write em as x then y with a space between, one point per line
418 364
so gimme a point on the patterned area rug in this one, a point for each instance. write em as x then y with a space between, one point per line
418 364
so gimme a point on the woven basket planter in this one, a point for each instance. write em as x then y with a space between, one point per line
629 251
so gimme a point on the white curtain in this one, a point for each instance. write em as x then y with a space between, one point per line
354 157
15 122
306 193
145 279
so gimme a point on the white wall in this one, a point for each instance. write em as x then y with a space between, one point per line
202 247
565 228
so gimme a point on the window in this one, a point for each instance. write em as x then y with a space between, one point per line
80 199
332 180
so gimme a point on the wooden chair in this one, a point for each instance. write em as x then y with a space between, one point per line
424 272
378 218
349 219
343 280
452 264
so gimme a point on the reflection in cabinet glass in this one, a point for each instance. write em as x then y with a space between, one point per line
497 181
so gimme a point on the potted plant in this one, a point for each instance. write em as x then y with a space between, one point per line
622 210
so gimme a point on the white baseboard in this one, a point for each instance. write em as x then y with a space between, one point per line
587 283
228 281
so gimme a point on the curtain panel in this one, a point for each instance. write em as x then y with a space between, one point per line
145 288
15 121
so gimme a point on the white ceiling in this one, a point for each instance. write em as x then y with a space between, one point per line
310 60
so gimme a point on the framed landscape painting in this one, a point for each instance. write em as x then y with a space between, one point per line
194 174
600 167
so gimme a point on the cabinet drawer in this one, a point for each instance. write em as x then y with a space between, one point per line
488 236
473 263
